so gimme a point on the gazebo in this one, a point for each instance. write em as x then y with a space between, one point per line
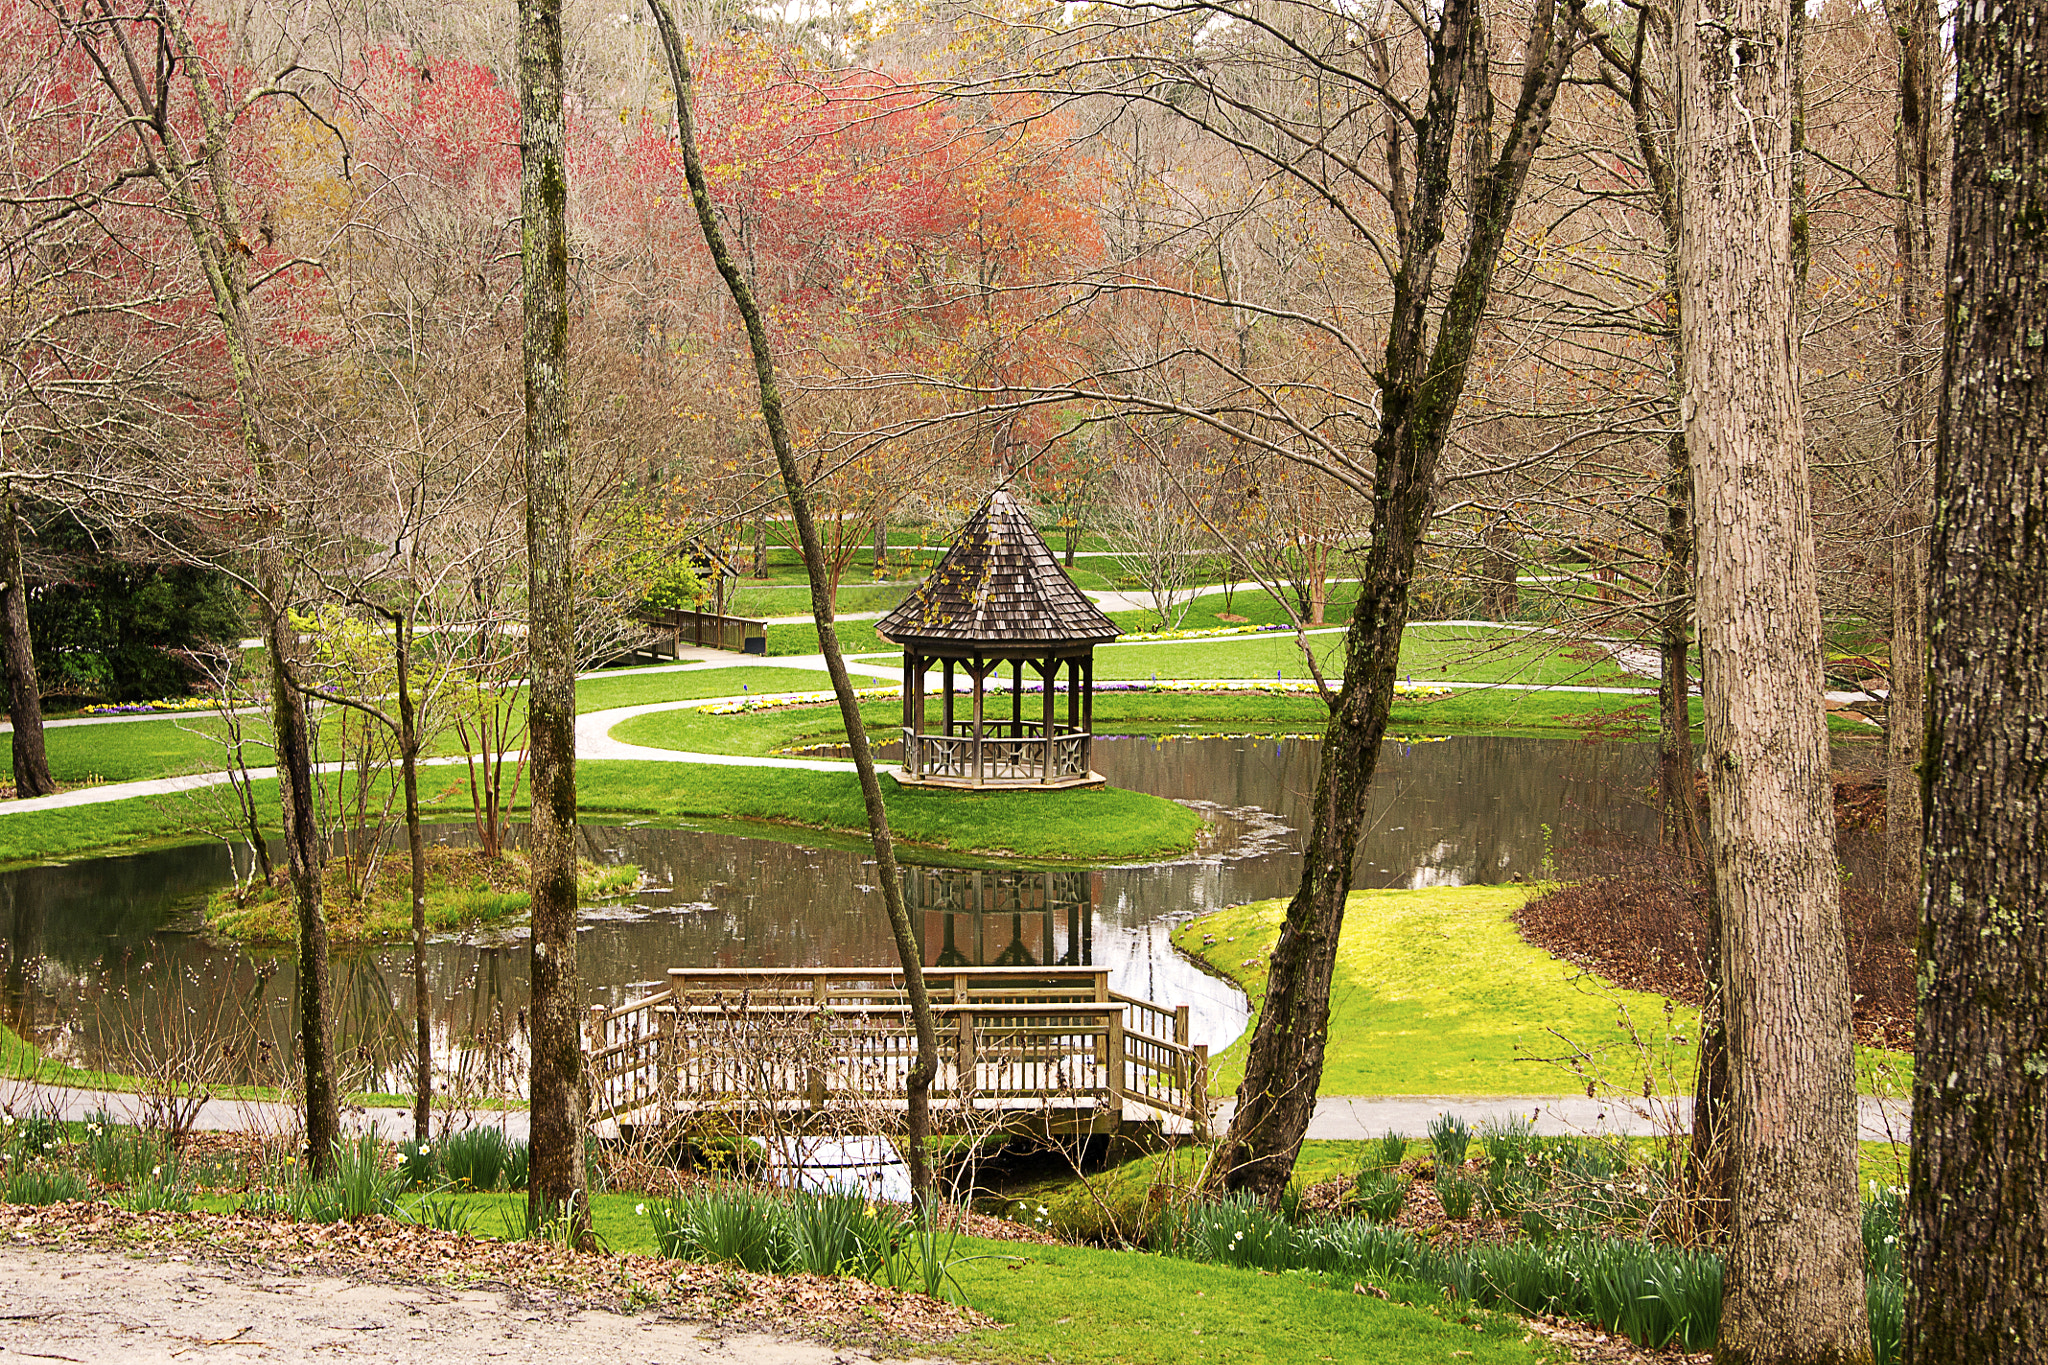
999 597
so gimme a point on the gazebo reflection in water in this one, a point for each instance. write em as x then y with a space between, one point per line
1002 918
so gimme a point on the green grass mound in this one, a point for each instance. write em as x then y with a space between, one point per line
465 890
1435 993
1100 824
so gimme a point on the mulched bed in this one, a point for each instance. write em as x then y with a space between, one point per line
836 1310
1637 918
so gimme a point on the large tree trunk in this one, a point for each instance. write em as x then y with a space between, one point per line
1420 385
555 1078
17 651
1977 1238
1913 234
918 1083
1794 1267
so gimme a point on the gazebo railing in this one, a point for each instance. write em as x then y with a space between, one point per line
1006 753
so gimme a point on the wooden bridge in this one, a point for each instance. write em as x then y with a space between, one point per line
1046 1049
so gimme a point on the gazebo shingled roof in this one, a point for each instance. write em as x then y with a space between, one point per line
999 586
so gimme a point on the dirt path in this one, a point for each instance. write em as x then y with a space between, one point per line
89 1306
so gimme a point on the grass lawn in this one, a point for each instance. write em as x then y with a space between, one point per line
801 637
1495 712
1081 826
133 751
1435 993
755 732
709 680
121 826
1428 651
1096 825
129 751
1258 609
1080 1306
794 599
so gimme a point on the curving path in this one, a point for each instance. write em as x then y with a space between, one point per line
1352 1118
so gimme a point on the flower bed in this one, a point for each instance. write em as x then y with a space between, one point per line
1206 633
737 706
164 706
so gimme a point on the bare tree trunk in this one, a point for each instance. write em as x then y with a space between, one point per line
1794 1267
1913 234
1684 820
557 1183
925 1068
1502 592
416 846
1675 786
303 860
1685 828
1976 1255
17 650
1420 382
200 193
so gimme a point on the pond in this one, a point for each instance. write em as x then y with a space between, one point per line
103 966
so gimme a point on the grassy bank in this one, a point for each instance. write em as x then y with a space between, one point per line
465 890
1100 825
1077 826
1436 993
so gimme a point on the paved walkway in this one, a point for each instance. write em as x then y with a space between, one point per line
1359 1117
592 741
1355 1118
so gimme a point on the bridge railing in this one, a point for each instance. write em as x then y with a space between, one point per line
1010 1040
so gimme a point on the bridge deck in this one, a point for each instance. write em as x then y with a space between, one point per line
1050 1046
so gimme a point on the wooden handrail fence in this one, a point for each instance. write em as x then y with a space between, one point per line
670 630
1052 1043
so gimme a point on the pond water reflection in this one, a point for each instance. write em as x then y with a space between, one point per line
99 953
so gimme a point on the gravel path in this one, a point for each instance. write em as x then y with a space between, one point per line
88 1306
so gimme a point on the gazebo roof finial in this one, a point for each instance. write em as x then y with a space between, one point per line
999 585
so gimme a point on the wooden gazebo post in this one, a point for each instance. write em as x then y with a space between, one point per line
999 596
